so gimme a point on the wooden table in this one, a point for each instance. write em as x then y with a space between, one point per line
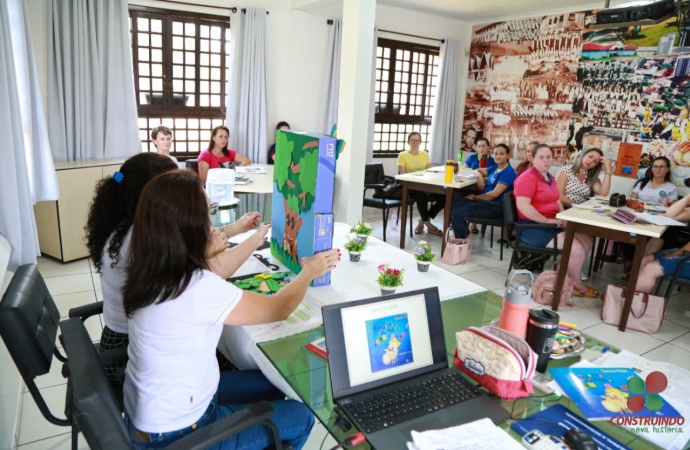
592 224
432 182
261 183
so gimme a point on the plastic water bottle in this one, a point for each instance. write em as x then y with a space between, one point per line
460 155
394 220
516 304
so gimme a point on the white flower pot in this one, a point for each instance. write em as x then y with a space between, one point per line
355 256
423 266
387 291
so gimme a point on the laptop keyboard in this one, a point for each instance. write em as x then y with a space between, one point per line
394 407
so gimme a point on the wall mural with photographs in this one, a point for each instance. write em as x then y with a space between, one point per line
552 79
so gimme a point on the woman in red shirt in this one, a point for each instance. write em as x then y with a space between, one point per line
538 201
218 155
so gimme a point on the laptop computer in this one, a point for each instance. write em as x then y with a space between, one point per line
389 369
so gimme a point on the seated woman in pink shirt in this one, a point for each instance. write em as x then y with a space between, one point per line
538 201
218 155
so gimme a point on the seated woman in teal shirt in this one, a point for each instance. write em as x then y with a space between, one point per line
494 181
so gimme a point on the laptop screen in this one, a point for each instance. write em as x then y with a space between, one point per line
382 340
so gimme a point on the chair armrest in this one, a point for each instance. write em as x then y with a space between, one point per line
374 185
535 225
219 431
113 356
86 311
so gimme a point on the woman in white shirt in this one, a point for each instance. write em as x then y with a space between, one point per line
177 308
108 233
656 186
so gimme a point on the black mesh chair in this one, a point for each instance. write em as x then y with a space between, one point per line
675 279
491 222
374 178
29 325
511 218
193 165
97 415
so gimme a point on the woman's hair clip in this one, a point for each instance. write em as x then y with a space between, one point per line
118 177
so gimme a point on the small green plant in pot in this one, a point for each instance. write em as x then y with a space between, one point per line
362 230
389 279
355 246
423 255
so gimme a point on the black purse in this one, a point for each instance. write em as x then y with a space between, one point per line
617 200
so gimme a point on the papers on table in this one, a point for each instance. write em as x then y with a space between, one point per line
251 266
677 393
655 208
477 435
250 169
589 207
436 169
305 317
659 220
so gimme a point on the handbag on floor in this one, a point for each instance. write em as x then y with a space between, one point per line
646 313
457 251
544 287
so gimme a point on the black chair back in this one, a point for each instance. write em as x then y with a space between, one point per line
95 408
373 173
509 209
192 164
28 326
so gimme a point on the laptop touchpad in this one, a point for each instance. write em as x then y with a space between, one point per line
421 424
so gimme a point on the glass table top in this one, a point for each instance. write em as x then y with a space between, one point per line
247 203
309 376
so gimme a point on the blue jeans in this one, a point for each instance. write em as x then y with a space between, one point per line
463 207
236 390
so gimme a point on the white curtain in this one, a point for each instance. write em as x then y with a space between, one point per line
443 125
246 101
92 110
41 170
372 97
331 81
17 222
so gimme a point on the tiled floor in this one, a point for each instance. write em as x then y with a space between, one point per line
76 283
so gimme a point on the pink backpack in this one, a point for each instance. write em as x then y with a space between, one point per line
545 285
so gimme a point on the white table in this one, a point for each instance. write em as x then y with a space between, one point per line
592 224
260 183
431 181
350 281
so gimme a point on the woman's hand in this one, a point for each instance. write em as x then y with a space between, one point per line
480 181
607 164
558 222
320 263
261 233
470 196
248 222
667 202
218 243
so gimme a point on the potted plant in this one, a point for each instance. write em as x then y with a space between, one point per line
362 230
423 255
389 279
355 247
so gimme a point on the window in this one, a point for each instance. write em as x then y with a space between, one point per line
181 65
406 80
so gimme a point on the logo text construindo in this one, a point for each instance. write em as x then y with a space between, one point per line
645 394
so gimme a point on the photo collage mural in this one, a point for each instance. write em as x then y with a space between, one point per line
554 80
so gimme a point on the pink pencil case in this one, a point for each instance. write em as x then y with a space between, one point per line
497 359
624 216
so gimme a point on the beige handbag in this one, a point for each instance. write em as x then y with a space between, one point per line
457 251
646 313
544 287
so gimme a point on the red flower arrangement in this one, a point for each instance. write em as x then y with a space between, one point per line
389 277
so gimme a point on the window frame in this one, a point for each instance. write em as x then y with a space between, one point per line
391 118
169 109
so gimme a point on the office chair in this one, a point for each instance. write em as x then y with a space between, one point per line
193 165
374 177
492 222
97 415
29 325
511 218
675 279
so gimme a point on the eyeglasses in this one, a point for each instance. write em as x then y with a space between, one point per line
415 141
659 167
213 208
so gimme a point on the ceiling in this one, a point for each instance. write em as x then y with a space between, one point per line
479 11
